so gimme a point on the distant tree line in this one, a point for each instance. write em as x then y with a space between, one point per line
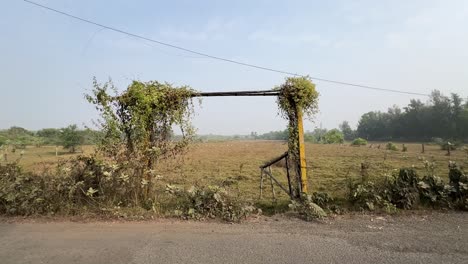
319 135
69 137
442 116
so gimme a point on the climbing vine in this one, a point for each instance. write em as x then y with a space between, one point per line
297 96
138 123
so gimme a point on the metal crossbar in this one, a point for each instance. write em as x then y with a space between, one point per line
238 93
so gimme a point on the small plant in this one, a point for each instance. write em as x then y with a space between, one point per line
359 142
391 146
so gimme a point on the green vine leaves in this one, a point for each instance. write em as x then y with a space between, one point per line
297 94
139 122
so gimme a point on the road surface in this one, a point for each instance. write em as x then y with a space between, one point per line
429 238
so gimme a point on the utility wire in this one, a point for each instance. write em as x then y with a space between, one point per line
219 58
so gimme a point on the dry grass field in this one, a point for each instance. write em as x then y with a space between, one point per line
236 164
329 166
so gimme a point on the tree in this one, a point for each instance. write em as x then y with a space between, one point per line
137 123
372 126
347 131
70 138
333 136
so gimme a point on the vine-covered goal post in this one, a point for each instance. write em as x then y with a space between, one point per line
297 99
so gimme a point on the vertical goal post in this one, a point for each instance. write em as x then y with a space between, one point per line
302 164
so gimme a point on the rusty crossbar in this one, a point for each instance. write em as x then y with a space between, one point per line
273 161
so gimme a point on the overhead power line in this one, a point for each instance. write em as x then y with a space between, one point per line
220 58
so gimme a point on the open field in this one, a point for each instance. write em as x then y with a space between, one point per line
236 164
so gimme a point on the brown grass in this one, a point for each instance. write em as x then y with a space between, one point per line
236 164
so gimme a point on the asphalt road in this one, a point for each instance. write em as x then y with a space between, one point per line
433 238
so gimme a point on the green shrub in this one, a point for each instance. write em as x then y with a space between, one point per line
27 194
325 201
333 136
359 142
433 191
458 190
391 146
365 195
402 189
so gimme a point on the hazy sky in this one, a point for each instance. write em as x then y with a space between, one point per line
47 61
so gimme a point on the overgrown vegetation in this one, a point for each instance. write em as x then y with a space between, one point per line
208 202
137 138
405 190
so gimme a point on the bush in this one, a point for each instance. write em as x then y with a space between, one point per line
325 201
433 191
359 142
27 194
458 190
307 209
402 189
83 182
391 146
405 190
365 196
333 136
208 202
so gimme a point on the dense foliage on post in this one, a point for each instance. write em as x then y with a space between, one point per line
297 95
